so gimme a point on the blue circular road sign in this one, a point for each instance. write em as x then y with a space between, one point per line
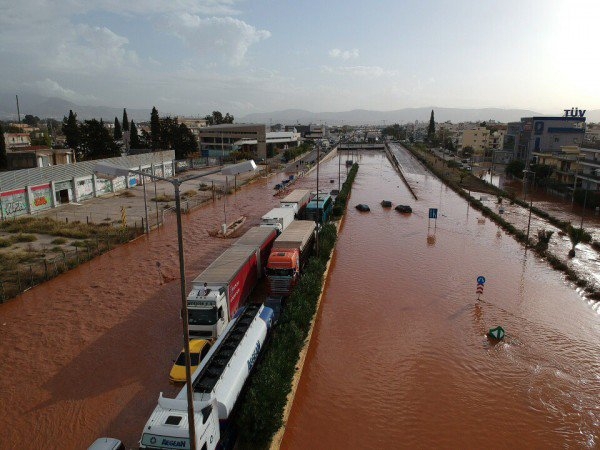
480 280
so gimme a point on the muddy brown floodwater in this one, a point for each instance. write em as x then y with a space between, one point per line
399 357
86 354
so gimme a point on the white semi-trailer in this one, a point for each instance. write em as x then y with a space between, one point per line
297 200
217 384
278 218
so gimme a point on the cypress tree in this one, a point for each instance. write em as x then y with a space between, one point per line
118 134
431 129
3 158
134 139
155 129
125 120
71 130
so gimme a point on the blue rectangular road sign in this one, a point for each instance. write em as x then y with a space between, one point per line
433 213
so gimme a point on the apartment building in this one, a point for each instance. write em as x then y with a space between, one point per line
477 138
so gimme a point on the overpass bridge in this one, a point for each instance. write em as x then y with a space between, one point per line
361 146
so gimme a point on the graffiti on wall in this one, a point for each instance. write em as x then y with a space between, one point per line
41 197
119 183
14 203
103 186
84 188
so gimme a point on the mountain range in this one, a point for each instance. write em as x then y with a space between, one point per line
57 108
405 115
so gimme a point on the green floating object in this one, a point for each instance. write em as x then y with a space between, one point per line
496 333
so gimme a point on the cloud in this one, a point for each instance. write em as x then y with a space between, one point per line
85 49
336 53
51 88
360 71
226 37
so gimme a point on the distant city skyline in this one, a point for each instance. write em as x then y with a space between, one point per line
195 56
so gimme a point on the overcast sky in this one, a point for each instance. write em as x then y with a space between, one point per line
195 56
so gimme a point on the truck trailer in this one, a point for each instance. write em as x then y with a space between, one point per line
262 238
289 254
229 280
216 387
297 200
278 218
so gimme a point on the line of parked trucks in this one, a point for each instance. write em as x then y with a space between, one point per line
278 248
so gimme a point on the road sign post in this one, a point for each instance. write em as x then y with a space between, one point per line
480 283
433 213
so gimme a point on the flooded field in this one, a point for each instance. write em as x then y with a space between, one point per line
399 357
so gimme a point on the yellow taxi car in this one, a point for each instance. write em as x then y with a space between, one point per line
198 350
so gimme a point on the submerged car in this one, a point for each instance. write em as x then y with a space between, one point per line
198 350
403 208
362 207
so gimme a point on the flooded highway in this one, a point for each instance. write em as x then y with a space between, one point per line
399 357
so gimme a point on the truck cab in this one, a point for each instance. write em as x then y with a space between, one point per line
167 428
208 313
283 271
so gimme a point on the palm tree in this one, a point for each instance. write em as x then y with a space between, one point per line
576 235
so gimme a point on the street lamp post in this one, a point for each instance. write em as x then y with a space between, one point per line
525 172
318 196
116 171
583 210
575 182
143 178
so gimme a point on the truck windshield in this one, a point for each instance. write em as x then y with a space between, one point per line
280 272
202 316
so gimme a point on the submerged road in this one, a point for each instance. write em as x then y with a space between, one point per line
399 356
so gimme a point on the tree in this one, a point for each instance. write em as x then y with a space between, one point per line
125 120
118 134
217 118
31 120
174 135
468 151
542 173
515 168
96 141
543 239
431 128
71 131
185 143
134 139
155 129
3 158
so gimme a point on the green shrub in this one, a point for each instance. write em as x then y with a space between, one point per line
261 411
59 241
24 238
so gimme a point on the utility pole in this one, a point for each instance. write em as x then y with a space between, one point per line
18 111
